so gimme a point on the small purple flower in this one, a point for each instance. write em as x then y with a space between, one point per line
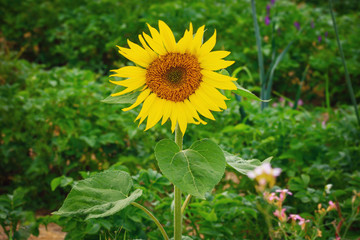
267 20
272 2
297 25
319 38
326 34
312 24
268 9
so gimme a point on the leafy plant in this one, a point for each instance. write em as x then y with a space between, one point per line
17 223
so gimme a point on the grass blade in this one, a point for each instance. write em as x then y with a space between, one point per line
271 77
260 55
347 77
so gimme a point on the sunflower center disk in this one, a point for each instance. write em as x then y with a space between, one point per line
174 76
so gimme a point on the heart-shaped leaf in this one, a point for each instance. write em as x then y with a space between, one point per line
101 195
195 170
241 165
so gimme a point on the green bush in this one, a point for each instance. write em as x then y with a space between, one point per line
84 34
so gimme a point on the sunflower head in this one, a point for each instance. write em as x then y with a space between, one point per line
176 80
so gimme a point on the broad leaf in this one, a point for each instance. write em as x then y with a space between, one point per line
195 170
101 195
126 98
246 93
241 165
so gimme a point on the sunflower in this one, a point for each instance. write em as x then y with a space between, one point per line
176 80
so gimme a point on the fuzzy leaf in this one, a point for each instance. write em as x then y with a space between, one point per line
241 165
195 170
246 93
101 195
126 98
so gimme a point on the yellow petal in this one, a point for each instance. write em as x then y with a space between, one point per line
146 107
158 47
215 94
127 90
156 112
192 111
148 49
157 39
139 99
167 36
220 84
174 116
182 116
131 82
207 101
184 43
200 107
216 76
208 45
133 56
214 56
167 111
129 71
141 52
198 39
215 64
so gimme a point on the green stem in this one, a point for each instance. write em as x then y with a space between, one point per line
300 86
348 81
177 193
327 94
162 230
351 220
187 200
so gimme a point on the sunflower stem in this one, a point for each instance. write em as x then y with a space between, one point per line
177 193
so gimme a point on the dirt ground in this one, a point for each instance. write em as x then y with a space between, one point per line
53 232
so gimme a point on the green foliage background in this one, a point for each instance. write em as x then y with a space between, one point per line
54 61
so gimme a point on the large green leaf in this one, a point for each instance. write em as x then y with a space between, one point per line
195 170
241 165
126 98
101 195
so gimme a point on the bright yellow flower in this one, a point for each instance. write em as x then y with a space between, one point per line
176 79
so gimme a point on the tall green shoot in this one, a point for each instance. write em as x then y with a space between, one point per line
347 77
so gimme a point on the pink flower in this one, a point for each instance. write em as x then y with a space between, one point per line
300 102
270 198
302 222
295 217
331 206
283 193
280 214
